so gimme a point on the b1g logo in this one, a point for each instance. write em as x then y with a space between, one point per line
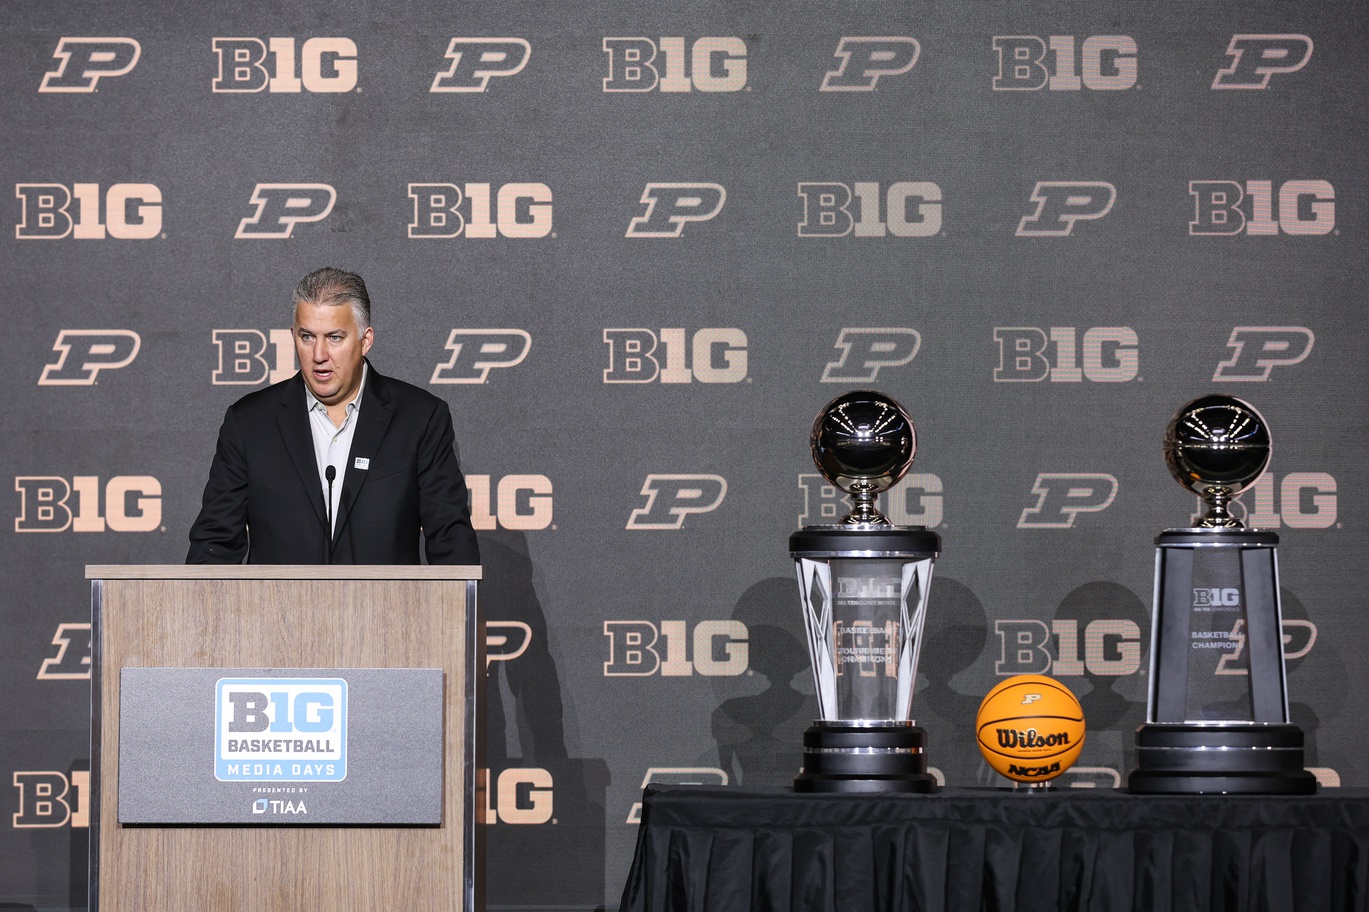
253 65
280 730
863 61
132 212
475 352
71 661
1062 204
1027 354
1255 59
1062 496
1298 207
669 207
280 207
1257 350
1300 500
917 500
517 795
83 62
675 65
1208 599
522 502
515 210
642 648
48 799
476 60
83 353
906 209
865 352
1107 648
248 357
670 498
132 503
1027 63
713 354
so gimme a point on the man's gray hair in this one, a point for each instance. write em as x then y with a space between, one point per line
334 286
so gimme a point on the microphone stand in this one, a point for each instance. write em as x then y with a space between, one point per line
329 473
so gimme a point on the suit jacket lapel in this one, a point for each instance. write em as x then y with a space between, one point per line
293 422
375 414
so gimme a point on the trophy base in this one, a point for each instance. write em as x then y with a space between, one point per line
1232 758
877 757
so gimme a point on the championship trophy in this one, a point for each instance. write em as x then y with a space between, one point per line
1217 711
864 584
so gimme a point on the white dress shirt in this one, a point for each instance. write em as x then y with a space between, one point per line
333 444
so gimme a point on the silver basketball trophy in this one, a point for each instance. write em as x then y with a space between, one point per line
1217 711
864 584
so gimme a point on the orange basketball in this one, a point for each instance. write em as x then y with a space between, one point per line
1030 728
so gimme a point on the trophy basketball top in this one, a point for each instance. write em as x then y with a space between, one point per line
863 442
1217 446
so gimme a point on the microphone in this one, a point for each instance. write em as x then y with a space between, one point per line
329 473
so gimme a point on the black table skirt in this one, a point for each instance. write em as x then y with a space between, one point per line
962 850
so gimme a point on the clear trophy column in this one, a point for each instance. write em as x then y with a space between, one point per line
1217 711
863 584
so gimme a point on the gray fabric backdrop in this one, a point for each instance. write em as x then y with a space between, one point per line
637 248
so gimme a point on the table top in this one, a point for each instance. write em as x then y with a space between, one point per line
727 806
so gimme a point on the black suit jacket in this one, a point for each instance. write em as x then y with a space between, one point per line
264 502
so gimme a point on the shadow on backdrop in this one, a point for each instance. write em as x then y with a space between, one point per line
760 736
543 810
953 640
1112 626
1300 639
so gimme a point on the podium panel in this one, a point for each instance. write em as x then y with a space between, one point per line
284 618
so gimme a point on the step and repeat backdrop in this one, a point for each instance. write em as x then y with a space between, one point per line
637 249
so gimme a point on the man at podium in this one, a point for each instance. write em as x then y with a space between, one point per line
338 464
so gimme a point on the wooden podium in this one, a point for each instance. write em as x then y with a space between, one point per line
258 616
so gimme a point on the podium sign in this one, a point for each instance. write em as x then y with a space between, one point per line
280 746
335 703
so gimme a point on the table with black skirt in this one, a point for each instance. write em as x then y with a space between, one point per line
968 849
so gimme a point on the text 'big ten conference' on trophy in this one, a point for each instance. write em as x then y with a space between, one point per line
1217 711
864 585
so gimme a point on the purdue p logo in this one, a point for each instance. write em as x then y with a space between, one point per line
669 207
83 353
83 62
1254 59
670 498
864 60
476 351
475 60
1062 496
865 351
279 207
1059 204
1257 350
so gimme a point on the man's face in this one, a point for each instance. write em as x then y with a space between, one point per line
330 350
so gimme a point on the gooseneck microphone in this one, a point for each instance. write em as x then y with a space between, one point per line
329 473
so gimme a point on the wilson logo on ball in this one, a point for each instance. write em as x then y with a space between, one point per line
1028 739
